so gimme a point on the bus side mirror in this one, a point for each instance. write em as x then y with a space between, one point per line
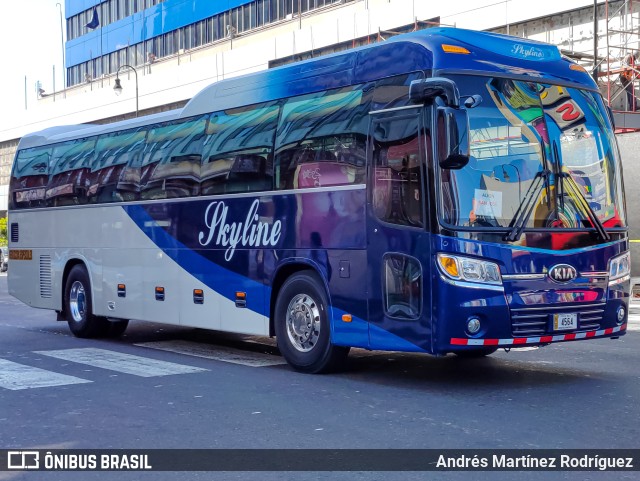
424 90
453 137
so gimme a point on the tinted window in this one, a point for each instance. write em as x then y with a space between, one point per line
69 173
30 177
321 139
398 195
171 159
113 177
394 91
402 286
238 150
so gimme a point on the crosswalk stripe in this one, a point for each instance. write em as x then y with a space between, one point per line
16 376
120 362
217 353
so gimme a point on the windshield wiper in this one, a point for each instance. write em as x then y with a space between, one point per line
521 217
573 187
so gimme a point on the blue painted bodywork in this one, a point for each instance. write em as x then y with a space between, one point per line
325 242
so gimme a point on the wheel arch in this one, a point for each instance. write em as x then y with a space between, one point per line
71 263
286 270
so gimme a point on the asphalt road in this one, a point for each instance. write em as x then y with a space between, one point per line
153 389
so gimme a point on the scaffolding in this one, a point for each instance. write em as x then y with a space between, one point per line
614 58
618 69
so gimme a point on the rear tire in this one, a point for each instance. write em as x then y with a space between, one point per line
302 326
79 307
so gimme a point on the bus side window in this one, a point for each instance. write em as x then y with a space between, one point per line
247 174
238 149
402 286
397 155
172 158
321 139
69 175
29 178
114 176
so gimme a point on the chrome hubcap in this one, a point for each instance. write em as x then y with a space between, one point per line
77 301
303 322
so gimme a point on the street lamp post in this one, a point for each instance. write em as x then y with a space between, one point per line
64 67
117 88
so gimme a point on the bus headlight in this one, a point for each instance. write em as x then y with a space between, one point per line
468 269
619 268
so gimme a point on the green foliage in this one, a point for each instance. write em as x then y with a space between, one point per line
3 231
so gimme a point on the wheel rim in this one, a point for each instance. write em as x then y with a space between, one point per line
77 301
303 322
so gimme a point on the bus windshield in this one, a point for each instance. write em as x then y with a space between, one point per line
540 149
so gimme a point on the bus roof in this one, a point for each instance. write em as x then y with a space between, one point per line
439 50
53 135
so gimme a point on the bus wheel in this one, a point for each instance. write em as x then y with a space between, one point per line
475 353
302 326
117 328
78 305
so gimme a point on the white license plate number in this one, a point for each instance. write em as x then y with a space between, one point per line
565 322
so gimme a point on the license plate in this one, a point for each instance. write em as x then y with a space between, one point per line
565 322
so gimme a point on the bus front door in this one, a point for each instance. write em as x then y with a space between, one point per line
398 242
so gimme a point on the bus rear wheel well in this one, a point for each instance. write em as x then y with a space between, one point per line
65 275
281 276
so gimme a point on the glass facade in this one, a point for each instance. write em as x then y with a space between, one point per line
251 15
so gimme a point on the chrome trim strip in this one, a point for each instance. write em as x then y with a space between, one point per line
395 109
594 274
267 193
472 285
572 306
519 277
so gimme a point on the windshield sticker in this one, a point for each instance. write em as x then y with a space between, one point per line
488 203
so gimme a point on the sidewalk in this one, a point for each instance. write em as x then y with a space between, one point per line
634 315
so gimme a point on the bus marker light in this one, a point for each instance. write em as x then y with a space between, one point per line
122 290
159 293
241 299
454 49
198 296
473 325
346 318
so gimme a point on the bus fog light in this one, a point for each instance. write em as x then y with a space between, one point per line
473 325
621 314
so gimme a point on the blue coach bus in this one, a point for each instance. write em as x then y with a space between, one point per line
445 191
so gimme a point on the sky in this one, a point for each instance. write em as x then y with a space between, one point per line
34 26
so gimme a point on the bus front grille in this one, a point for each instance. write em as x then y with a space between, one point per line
536 321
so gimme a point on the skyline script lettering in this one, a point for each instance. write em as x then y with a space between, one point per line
250 233
519 49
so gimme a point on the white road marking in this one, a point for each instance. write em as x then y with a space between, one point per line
119 362
217 353
16 376
634 317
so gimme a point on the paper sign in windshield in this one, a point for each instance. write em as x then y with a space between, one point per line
488 203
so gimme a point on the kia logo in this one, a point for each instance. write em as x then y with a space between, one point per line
562 273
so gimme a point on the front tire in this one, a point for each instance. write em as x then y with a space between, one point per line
302 326
79 307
